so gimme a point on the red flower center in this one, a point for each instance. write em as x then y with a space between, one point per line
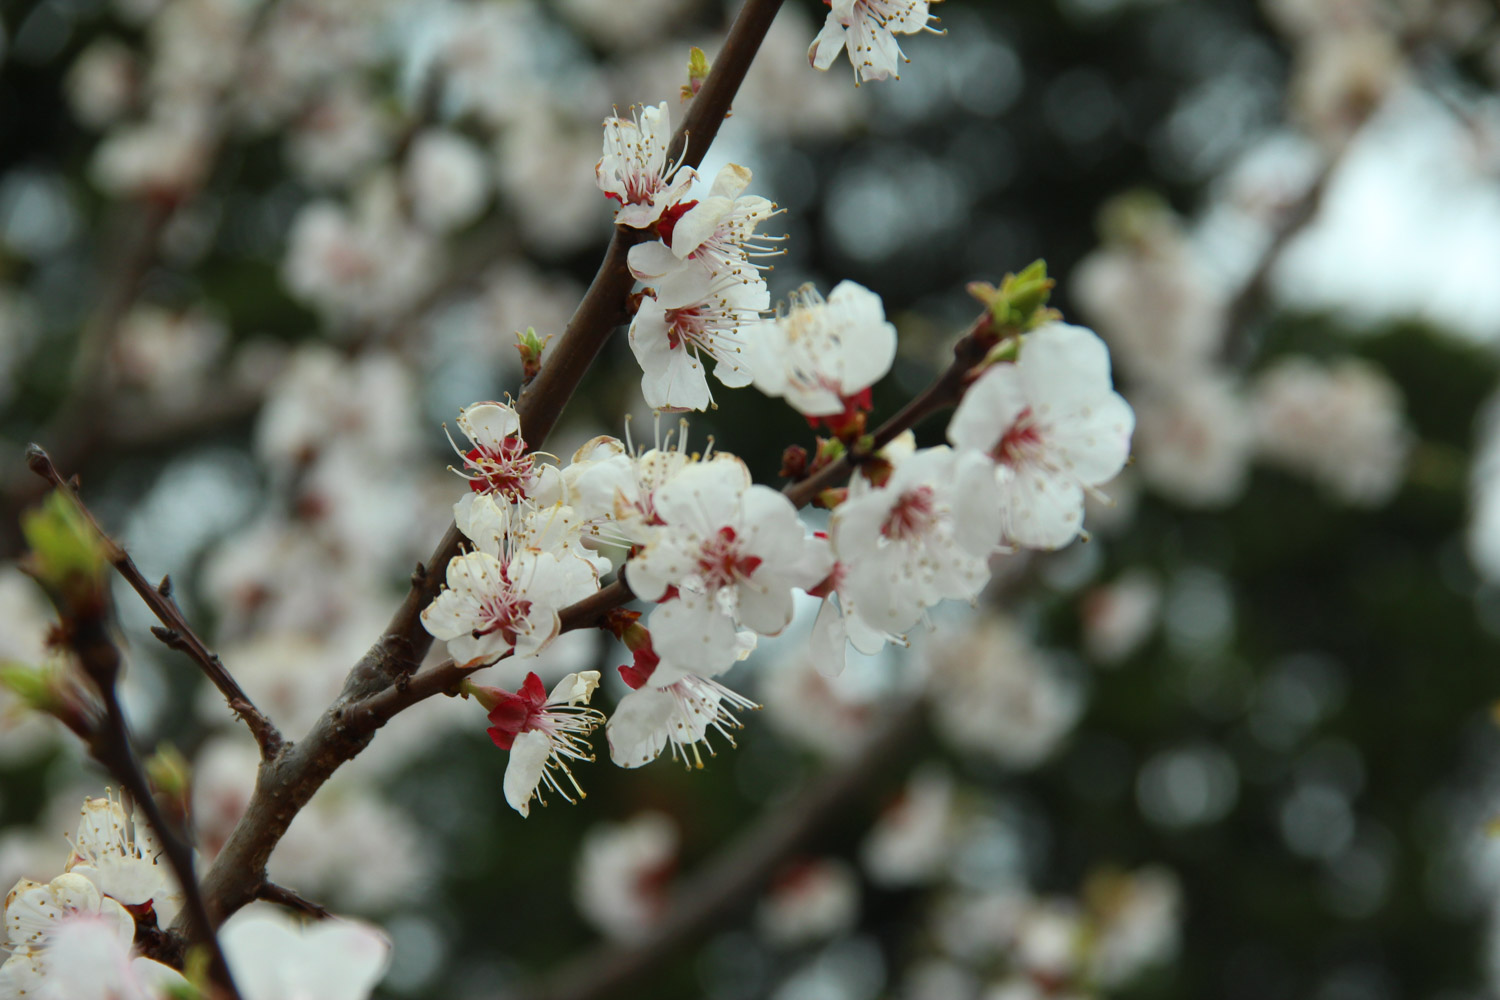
912 515
720 562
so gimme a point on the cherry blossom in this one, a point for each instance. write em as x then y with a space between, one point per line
611 482
1053 427
623 873
273 956
36 915
1341 425
717 232
447 180
925 536
505 596
695 315
671 706
734 550
809 901
634 170
819 354
868 29
87 958
119 856
499 461
543 732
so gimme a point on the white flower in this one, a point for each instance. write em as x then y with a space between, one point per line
634 169
33 915
366 264
672 707
1151 298
868 28
992 692
694 315
819 354
726 544
1054 428
496 604
103 82
608 481
119 856
1120 616
810 901
1341 425
87 958
717 232
623 874
447 180
925 536
273 956
1194 438
499 462
543 732
912 840
1138 916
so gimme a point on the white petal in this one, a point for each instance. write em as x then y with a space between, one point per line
637 731
528 759
488 424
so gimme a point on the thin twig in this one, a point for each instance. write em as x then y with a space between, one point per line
88 635
292 900
175 632
740 872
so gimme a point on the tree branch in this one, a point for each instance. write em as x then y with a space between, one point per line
175 632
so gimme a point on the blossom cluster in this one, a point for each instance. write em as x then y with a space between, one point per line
721 557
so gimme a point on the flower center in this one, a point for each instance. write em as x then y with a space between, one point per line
504 470
912 515
1021 442
720 563
505 611
685 324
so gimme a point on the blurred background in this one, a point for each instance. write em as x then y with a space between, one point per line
1239 744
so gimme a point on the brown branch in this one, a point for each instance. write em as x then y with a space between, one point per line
292 900
175 632
87 632
287 781
740 872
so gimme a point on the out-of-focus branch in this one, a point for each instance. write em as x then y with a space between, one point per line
287 781
734 878
1239 317
85 629
174 631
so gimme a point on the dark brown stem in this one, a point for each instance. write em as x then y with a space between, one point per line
280 894
740 872
109 744
285 783
175 632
